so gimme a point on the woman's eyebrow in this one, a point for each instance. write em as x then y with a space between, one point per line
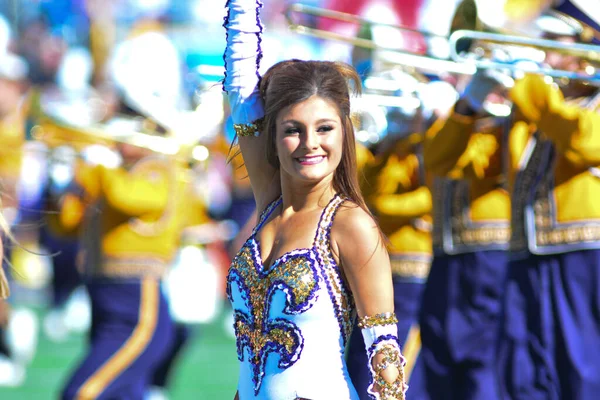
293 121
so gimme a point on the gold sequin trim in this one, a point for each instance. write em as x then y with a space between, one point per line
253 129
382 319
390 390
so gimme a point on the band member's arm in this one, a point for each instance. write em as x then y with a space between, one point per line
78 195
408 205
396 159
136 194
446 141
574 130
453 149
72 210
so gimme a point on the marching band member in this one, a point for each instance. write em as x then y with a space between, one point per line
132 218
551 330
471 209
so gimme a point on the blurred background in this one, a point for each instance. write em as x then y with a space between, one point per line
70 65
75 57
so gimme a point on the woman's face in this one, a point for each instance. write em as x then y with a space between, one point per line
309 139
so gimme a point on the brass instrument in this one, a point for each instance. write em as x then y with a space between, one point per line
393 55
80 124
477 57
502 33
55 133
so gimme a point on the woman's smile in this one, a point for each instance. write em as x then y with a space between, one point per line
310 160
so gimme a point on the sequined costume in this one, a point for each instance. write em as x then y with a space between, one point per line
292 319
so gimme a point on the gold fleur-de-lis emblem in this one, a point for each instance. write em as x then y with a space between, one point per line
295 273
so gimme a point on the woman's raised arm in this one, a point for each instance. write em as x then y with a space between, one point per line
242 61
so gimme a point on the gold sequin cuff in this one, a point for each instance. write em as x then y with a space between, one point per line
253 129
390 390
382 319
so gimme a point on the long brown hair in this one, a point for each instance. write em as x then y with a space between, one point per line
294 81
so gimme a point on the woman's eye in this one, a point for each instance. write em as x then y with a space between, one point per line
325 128
292 131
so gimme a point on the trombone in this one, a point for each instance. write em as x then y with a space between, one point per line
394 55
590 53
54 132
81 122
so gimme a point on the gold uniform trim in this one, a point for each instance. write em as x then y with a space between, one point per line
535 215
454 231
568 235
485 235
133 267
131 349
410 268
412 348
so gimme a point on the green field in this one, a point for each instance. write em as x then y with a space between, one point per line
206 369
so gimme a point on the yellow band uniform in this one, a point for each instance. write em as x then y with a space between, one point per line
554 158
133 218
12 140
394 187
471 203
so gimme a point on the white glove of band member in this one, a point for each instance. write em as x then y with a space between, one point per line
97 154
437 98
482 84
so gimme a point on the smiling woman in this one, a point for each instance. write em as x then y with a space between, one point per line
316 257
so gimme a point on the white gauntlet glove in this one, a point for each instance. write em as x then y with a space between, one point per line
97 154
380 334
242 59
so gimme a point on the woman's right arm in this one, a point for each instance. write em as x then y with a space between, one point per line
242 60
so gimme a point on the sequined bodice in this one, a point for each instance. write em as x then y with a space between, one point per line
280 309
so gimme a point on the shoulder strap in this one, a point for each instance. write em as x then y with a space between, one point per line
266 214
339 292
326 220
